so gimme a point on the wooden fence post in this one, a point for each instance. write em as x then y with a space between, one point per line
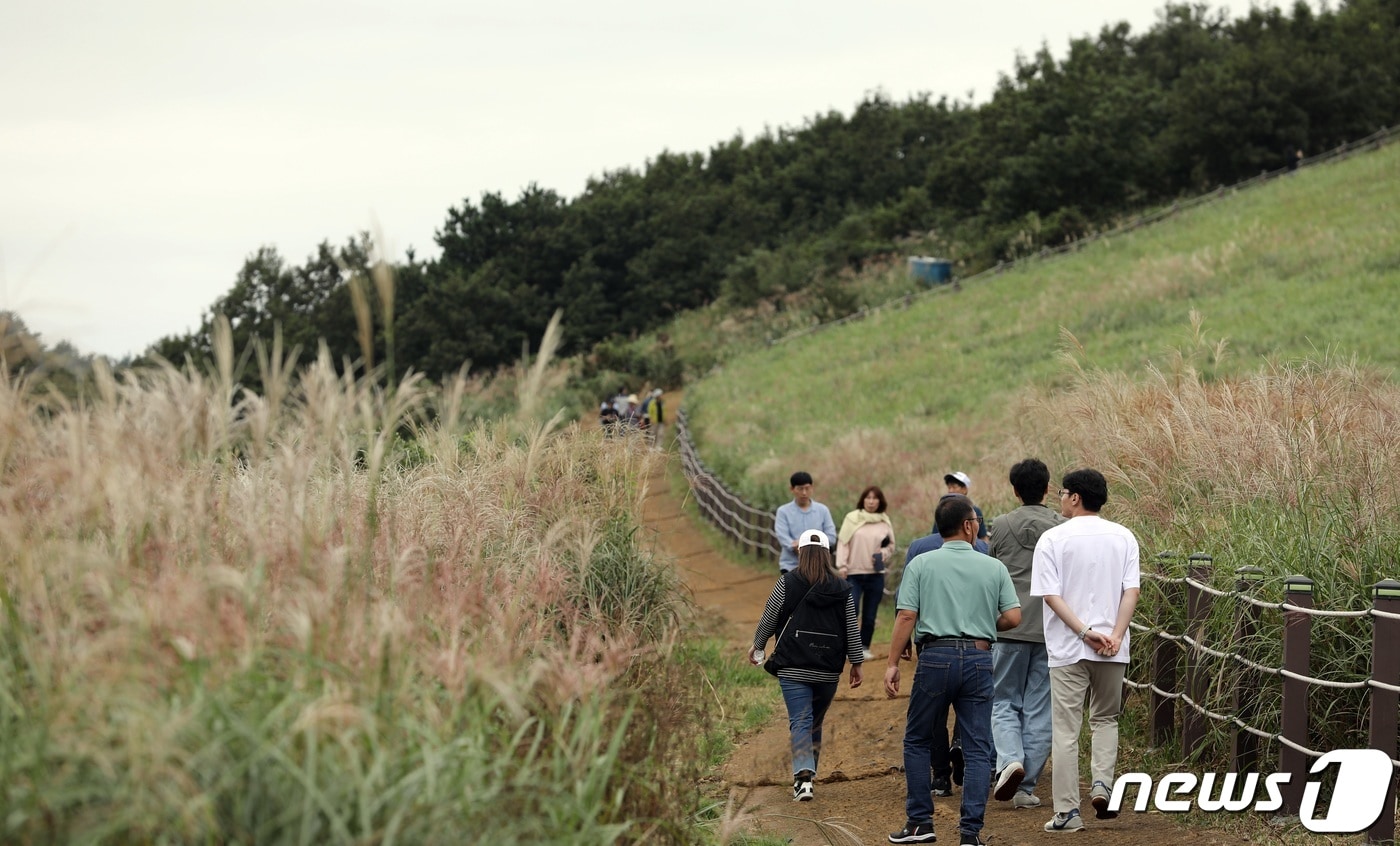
1244 747
1164 657
1193 723
1297 658
1385 668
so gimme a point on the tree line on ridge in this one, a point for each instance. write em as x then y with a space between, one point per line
1124 120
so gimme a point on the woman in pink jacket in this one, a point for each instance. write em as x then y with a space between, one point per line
864 547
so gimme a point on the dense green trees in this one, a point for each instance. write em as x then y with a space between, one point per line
1063 145
25 356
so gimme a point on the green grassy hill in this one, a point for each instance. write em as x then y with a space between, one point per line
1305 267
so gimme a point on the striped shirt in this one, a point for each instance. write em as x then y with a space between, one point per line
769 625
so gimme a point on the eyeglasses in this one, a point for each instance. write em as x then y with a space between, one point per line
1064 492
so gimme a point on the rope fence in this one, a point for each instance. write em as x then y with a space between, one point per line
1175 652
738 521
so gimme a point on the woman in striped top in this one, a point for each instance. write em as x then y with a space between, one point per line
810 657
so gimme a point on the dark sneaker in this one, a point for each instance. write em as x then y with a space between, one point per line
1065 822
914 833
1008 781
941 786
970 840
955 757
1098 797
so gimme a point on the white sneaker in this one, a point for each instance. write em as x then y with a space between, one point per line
867 654
1023 799
1065 822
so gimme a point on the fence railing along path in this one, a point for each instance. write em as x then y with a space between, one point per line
1374 141
751 528
1184 655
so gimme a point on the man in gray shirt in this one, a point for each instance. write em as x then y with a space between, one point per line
794 518
1021 725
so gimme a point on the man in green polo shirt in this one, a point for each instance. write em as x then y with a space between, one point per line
952 601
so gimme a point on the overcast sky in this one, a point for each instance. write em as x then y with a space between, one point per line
148 147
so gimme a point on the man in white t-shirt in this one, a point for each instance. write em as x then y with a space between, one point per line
1087 570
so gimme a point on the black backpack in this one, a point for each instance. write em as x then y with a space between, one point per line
813 636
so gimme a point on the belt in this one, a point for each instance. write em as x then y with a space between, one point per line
955 642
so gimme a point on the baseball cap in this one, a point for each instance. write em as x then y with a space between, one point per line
958 476
813 537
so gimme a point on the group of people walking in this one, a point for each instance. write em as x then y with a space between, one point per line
627 413
1016 626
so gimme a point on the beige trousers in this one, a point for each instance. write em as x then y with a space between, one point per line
1102 683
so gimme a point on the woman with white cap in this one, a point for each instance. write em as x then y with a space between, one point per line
811 612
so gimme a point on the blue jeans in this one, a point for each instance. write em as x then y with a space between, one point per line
1021 710
960 676
870 589
806 706
942 763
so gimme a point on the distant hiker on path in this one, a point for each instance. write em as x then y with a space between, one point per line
1087 570
864 549
953 602
655 414
802 514
959 483
811 612
1020 675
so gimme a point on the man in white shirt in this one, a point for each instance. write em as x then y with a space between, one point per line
1087 571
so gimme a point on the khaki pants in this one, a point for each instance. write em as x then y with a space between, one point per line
1102 682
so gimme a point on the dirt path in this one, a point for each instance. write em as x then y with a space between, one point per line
861 785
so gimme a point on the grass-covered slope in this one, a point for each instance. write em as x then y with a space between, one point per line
1306 265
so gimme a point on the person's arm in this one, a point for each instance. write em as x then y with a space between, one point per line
904 623
828 525
768 623
1126 606
783 530
843 557
1127 603
855 652
1008 603
1096 640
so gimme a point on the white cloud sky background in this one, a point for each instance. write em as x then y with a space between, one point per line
147 148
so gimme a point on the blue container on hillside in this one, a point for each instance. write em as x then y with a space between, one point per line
931 271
